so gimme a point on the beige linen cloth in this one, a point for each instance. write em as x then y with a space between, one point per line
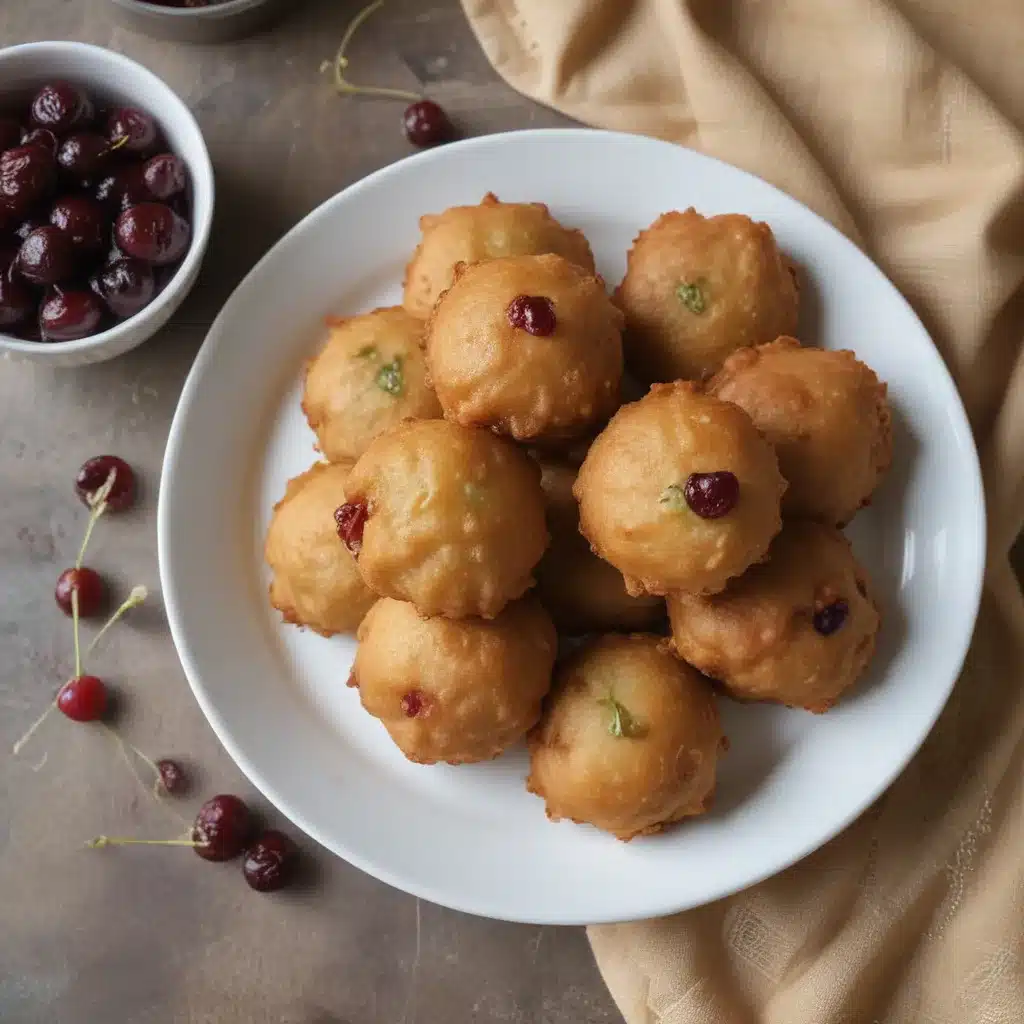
902 122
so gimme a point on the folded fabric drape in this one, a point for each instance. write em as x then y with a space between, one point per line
902 122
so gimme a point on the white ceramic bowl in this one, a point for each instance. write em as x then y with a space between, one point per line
110 77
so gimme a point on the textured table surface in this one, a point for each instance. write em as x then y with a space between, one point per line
153 935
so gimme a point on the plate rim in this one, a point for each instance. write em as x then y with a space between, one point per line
173 601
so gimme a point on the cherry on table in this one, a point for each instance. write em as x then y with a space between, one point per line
126 285
92 592
173 778
426 124
83 220
135 126
165 175
84 156
61 106
270 861
222 828
93 474
152 232
47 256
67 314
83 699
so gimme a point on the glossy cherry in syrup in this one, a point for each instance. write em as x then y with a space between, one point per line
67 314
152 232
85 223
133 131
126 285
61 106
47 256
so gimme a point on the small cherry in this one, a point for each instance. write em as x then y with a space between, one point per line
221 828
173 778
91 590
83 699
270 862
94 473
426 124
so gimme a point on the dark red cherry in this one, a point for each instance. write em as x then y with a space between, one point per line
712 495
69 314
414 703
17 303
152 232
61 106
165 175
426 124
123 188
83 221
534 314
93 474
173 778
125 285
269 863
84 157
41 137
47 256
350 520
222 828
136 127
83 699
27 177
92 592
26 227
10 133
831 617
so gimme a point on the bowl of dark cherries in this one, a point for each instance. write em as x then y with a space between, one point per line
106 201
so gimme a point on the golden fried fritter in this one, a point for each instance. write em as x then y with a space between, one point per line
315 579
454 518
679 492
370 375
469 234
456 690
827 416
629 739
529 346
698 288
798 629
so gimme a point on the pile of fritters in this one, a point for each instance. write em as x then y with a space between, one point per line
486 492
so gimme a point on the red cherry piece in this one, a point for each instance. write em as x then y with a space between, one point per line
712 495
350 520
83 699
222 828
93 475
414 703
173 778
152 232
84 156
165 175
426 124
92 592
269 863
83 221
829 619
124 188
27 177
17 303
61 106
69 314
136 127
534 314
125 285
47 256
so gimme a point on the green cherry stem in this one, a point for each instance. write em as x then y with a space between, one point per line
133 600
97 506
100 841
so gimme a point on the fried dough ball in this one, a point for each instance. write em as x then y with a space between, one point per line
697 288
455 690
369 376
827 416
454 518
583 593
529 346
679 492
315 580
797 630
469 234
629 739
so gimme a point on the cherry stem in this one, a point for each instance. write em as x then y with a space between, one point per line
340 64
125 746
97 506
16 749
100 841
133 600
74 623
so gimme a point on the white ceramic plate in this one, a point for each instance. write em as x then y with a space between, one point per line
472 838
